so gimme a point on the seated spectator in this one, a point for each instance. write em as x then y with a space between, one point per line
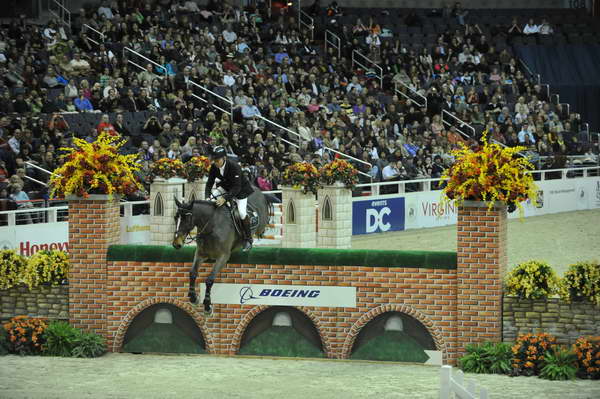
82 104
531 28
525 135
545 28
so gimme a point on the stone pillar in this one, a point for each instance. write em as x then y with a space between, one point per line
299 219
195 190
335 217
162 209
93 227
481 267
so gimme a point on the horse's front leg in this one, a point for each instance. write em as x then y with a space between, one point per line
219 264
193 275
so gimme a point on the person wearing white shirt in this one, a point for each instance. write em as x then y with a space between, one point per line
531 28
525 132
391 171
105 11
373 40
191 6
228 80
250 110
354 84
228 35
545 28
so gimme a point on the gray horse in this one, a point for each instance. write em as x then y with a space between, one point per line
216 236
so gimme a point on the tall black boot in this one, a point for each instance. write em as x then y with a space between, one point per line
247 234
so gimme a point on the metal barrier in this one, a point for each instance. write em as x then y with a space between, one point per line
417 95
306 21
357 55
461 122
331 39
128 50
59 11
225 100
97 32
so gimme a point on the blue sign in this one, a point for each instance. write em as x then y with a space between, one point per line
377 216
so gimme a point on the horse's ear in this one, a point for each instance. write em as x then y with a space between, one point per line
179 205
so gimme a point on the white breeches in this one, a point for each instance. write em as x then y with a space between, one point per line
241 203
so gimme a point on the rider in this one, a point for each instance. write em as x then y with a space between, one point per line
231 183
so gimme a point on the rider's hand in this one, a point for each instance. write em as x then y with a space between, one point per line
220 201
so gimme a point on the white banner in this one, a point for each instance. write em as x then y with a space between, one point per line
282 295
135 229
27 239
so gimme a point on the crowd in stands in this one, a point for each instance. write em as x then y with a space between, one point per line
60 82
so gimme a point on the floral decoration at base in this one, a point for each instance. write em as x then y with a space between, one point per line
46 267
581 282
96 168
339 170
166 168
587 350
196 168
491 173
25 335
529 352
532 280
302 175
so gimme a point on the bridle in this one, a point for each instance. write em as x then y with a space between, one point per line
189 239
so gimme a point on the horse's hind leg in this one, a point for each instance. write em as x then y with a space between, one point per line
193 275
221 261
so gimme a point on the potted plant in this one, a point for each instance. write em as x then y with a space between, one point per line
95 168
302 175
339 171
196 168
166 168
490 173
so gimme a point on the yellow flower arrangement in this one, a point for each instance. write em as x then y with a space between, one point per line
302 175
11 268
492 173
581 281
46 267
339 170
166 168
532 280
96 168
196 168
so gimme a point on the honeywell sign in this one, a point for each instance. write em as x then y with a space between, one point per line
30 238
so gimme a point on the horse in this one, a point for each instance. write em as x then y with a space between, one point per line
217 236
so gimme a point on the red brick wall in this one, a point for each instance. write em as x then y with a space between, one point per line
93 227
456 306
481 264
427 295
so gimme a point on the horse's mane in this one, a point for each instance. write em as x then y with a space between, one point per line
202 202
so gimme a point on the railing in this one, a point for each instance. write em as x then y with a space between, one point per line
461 122
58 10
453 386
97 32
40 168
416 93
306 21
357 55
157 65
219 97
334 41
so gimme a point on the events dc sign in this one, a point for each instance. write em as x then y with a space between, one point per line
377 216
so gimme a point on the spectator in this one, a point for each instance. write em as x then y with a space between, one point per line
531 28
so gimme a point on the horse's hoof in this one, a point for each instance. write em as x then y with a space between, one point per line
207 308
193 298
208 313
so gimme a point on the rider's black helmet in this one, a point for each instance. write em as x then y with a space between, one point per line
218 152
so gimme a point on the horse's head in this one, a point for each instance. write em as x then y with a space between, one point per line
184 223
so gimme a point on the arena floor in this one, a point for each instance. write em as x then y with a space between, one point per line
560 239
203 376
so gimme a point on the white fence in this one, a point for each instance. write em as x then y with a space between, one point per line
452 385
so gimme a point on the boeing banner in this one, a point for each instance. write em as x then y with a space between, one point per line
377 216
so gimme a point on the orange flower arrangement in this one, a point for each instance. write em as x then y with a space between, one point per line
529 352
95 168
166 168
493 173
196 168
339 170
302 175
587 350
25 334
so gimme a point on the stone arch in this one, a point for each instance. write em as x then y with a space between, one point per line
327 211
158 206
252 313
437 336
185 306
290 213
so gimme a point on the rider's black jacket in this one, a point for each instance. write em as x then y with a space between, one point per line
234 182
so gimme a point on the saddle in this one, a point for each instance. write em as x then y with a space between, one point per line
237 220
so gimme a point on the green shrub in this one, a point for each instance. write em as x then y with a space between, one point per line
489 357
532 280
3 342
89 345
581 282
60 339
559 364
